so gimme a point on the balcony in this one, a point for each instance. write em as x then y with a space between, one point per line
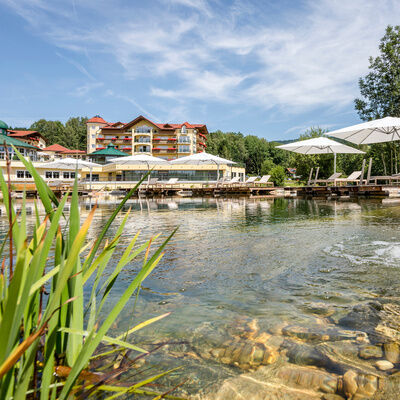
142 141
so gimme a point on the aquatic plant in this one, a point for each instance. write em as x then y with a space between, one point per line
52 338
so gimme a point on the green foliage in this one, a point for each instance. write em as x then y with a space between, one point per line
267 166
249 151
278 175
380 97
42 307
71 135
380 88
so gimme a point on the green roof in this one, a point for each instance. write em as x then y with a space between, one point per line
3 125
17 143
110 150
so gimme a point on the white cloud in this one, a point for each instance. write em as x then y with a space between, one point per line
243 53
83 90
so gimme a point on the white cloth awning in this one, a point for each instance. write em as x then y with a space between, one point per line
68 163
377 131
319 145
202 158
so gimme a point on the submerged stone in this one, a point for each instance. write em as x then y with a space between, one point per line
384 365
392 352
369 351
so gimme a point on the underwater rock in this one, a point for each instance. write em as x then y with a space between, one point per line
309 379
244 354
302 354
317 333
358 386
392 352
330 396
319 309
362 316
369 351
384 365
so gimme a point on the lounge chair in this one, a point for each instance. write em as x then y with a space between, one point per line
231 182
147 183
170 183
264 181
331 179
354 177
250 180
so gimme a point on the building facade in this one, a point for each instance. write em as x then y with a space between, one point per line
33 138
167 141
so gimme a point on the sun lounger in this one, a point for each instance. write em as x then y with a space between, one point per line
264 181
354 177
331 179
251 180
170 183
387 179
231 182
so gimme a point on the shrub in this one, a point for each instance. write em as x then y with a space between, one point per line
278 175
50 335
267 166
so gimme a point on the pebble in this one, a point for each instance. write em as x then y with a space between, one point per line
384 365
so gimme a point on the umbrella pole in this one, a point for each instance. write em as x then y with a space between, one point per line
90 177
334 163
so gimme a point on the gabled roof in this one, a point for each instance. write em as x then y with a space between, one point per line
73 152
17 143
15 133
110 150
97 119
21 133
56 148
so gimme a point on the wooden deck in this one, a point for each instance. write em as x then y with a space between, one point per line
376 191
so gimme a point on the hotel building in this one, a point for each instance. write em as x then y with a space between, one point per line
167 141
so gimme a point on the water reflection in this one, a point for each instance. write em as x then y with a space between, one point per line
234 260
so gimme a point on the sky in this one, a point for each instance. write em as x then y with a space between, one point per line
263 67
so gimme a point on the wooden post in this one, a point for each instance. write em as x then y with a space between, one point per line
310 176
316 176
362 173
369 170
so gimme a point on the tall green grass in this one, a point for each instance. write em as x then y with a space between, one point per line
50 336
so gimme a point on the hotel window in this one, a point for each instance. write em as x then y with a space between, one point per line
20 174
27 174
143 129
93 136
184 130
93 146
184 149
66 175
56 174
184 139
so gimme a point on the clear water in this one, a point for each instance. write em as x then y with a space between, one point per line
267 259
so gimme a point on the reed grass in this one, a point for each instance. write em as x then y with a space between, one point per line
51 337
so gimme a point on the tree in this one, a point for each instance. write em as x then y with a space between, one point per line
380 91
257 152
52 131
75 129
71 135
380 88
278 175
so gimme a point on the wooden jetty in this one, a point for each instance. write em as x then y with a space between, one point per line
375 191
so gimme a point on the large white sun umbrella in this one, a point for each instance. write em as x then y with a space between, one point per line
378 131
139 159
203 158
70 163
320 145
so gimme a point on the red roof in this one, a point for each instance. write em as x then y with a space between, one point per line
22 133
166 126
98 119
73 152
56 147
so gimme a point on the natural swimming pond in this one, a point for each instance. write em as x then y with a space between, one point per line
294 294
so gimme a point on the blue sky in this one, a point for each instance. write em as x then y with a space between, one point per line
270 68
